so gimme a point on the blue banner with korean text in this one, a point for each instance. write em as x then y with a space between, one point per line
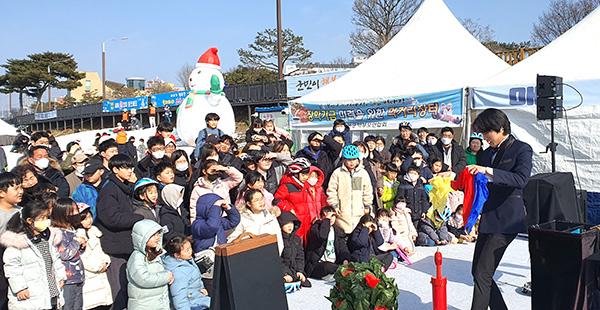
169 99
301 85
431 110
125 104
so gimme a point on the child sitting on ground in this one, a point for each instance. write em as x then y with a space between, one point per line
433 228
359 242
187 289
326 247
457 228
402 223
147 279
292 256
391 237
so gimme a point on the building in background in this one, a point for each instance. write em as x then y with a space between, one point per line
89 84
137 83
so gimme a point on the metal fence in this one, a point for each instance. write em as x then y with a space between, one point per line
237 95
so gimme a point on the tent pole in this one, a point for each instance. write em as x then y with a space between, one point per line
467 130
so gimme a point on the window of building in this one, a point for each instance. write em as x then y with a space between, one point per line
88 86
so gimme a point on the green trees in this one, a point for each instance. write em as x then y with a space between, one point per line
33 75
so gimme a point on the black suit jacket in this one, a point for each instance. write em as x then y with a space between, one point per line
504 210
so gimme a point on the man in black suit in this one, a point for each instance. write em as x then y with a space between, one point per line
507 164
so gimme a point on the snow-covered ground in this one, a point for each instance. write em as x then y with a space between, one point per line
414 280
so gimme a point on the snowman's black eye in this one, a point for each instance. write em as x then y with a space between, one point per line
199 71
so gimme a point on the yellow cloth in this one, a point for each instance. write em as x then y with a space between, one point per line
438 197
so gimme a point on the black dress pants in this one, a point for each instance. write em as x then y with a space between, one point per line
488 252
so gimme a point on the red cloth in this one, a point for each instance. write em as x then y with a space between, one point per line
305 203
465 183
172 136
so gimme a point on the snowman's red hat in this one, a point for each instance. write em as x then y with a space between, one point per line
210 59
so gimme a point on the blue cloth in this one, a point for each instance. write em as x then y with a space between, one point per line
346 134
479 198
87 194
307 150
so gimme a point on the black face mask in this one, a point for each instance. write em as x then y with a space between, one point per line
315 148
74 219
212 177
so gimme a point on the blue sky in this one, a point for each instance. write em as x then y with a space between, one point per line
165 35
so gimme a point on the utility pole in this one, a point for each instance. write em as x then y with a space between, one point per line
279 43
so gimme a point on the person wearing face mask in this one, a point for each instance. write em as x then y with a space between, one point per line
47 167
75 178
66 164
416 159
211 182
371 143
412 189
301 192
451 152
340 127
256 132
156 154
322 152
386 156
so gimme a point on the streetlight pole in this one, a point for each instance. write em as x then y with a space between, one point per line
104 65
279 43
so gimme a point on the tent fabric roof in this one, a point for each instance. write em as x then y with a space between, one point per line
7 129
432 53
572 56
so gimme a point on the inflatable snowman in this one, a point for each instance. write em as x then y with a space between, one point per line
206 96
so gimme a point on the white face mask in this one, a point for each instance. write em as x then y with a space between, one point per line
215 158
182 167
158 154
401 206
312 181
417 162
362 155
379 148
446 141
80 169
42 163
257 130
413 177
432 142
340 129
179 202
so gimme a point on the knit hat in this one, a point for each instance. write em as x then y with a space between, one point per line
121 137
82 206
210 59
79 158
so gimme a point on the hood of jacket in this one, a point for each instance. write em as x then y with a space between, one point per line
170 194
142 231
22 241
204 203
289 178
320 177
287 217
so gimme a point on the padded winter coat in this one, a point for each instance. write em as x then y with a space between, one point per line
359 243
351 194
176 218
210 224
257 224
292 257
185 289
305 200
325 157
24 267
96 288
148 281
416 198
115 216
87 194
70 252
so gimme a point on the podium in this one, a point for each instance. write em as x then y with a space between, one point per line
248 275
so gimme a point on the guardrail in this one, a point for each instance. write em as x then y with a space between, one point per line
237 94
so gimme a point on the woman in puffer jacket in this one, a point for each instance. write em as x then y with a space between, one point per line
148 280
305 199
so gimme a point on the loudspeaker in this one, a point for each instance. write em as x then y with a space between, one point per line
549 92
549 108
549 86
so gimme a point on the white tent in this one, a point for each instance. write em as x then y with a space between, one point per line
7 133
574 57
432 53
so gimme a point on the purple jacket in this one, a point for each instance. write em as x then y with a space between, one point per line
69 251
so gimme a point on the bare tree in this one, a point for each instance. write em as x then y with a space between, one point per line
560 17
183 75
377 22
483 34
